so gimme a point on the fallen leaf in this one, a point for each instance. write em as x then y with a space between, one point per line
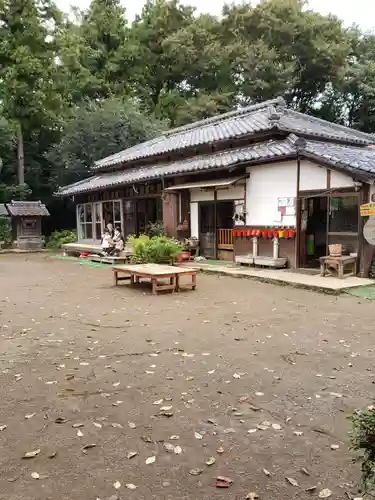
31 454
177 450
298 433
132 425
131 486
116 384
304 471
210 461
252 496
158 402
277 427
267 472
52 455
197 435
165 408
79 433
79 424
3 427
150 460
236 375
60 420
335 446
259 394
325 493
117 485
195 472
88 447
220 450
174 437
117 426
292 481
310 489
251 431
223 482
131 454
335 395
96 424
169 448
30 415
35 475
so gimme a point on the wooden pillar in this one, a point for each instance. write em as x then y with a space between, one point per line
170 214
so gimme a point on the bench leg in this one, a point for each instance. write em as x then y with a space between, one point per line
322 269
132 279
115 277
177 283
340 271
154 282
194 281
137 278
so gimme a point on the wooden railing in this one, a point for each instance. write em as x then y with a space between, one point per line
224 239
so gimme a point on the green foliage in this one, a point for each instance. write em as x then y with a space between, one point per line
155 228
59 238
94 130
6 231
157 249
363 440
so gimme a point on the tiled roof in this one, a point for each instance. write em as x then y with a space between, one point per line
27 209
224 159
358 161
266 117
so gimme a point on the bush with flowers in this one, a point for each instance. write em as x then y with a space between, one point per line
363 440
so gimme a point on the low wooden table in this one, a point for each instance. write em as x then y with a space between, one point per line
155 272
335 266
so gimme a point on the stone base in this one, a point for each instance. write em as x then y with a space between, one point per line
244 259
28 244
270 262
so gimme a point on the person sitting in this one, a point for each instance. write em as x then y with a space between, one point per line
118 241
107 243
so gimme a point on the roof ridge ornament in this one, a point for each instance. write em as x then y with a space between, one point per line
273 115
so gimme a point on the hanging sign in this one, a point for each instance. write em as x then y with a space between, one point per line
367 209
369 231
286 206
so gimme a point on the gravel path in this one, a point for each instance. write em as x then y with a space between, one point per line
257 380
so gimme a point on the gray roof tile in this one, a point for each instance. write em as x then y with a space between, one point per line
256 152
27 209
263 117
358 161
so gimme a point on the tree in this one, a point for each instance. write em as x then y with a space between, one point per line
283 48
27 68
94 130
90 55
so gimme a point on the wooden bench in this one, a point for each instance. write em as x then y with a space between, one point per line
155 273
336 266
110 259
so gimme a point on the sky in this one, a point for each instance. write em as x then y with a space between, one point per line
361 12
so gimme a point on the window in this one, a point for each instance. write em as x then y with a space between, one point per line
98 221
84 216
112 213
343 221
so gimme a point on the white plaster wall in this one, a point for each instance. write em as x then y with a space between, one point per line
340 180
312 176
198 194
232 193
194 229
372 191
265 185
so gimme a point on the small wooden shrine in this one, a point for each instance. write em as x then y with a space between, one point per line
26 219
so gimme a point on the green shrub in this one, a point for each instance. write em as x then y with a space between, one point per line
157 249
6 231
155 228
363 440
59 238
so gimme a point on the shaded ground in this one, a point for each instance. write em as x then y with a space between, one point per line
77 349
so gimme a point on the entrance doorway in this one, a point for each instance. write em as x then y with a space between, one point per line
215 228
315 235
326 220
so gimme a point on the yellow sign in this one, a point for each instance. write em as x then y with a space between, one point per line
367 209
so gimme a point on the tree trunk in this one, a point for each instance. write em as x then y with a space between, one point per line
20 158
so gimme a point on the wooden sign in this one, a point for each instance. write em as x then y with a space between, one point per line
367 209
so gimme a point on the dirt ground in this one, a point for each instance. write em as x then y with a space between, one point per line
181 378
